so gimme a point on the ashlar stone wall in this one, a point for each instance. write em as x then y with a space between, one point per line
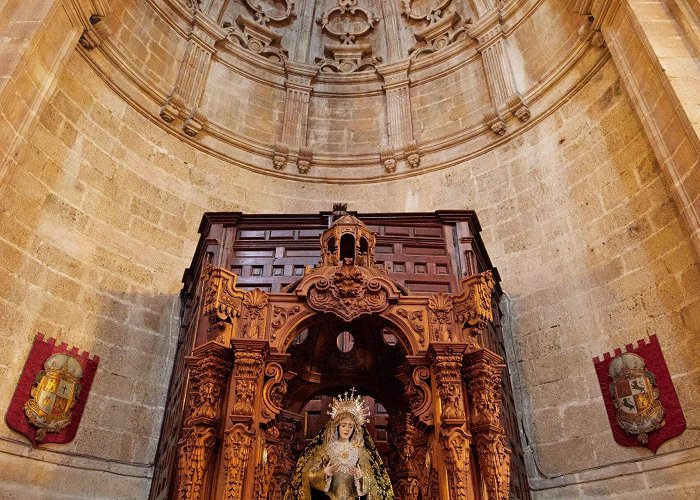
99 209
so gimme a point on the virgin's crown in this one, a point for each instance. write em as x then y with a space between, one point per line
349 403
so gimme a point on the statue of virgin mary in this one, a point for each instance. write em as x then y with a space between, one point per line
341 462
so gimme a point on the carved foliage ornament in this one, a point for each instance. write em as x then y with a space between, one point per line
484 378
447 369
254 314
494 463
237 446
348 292
441 318
455 443
246 371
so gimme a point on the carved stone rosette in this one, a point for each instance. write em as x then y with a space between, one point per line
209 368
483 373
473 307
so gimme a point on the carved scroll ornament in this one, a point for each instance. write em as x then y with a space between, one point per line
347 23
348 291
443 28
473 308
274 390
222 301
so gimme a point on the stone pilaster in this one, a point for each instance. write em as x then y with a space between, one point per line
292 147
500 79
398 114
184 101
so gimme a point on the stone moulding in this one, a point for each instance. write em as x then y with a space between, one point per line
551 91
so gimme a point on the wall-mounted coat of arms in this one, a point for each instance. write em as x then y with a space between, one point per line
640 399
51 394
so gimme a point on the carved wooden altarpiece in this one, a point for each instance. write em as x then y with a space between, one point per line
262 325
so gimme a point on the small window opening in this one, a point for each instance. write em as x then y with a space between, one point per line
347 247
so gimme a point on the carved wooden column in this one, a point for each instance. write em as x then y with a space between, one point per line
403 436
285 449
398 119
292 147
184 101
483 372
209 369
500 79
242 438
451 418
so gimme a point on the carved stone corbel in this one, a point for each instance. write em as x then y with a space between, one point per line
473 307
438 26
483 373
209 369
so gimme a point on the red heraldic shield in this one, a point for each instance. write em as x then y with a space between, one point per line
50 397
639 396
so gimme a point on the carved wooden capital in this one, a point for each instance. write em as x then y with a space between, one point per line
446 365
483 373
209 368
249 358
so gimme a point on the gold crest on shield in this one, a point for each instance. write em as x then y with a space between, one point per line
55 391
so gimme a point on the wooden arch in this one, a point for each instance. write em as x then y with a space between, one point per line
236 439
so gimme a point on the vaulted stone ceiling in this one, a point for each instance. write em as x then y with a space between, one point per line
351 90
